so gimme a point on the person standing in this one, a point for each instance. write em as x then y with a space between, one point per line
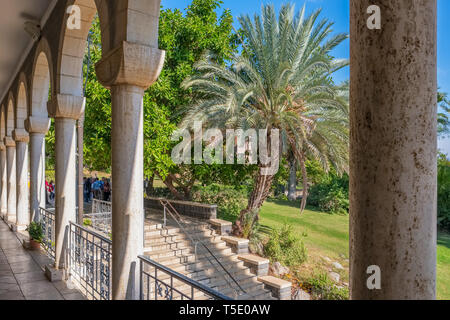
106 191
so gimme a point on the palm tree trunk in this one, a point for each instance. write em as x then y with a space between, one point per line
292 184
261 191
305 184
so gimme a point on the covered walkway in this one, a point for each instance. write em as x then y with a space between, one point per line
393 143
22 272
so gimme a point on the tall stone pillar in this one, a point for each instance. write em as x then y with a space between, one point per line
11 179
4 184
393 150
66 110
37 128
23 214
128 71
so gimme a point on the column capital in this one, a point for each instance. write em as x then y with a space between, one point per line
130 63
20 135
66 106
9 142
36 124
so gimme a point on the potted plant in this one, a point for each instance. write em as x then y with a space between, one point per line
36 235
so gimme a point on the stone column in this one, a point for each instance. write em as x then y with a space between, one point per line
128 70
66 109
4 185
37 127
393 151
23 214
11 179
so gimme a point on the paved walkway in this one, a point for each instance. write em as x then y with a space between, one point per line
21 272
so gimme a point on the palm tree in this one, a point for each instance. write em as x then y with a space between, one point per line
281 80
443 118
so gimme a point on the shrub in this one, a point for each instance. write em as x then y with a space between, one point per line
284 247
331 194
35 231
444 193
322 287
87 222
229 200
251 231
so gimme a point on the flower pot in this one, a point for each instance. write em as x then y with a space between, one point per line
34 245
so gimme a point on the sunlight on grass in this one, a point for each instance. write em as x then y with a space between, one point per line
327 235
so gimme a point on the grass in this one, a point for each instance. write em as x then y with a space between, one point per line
326 235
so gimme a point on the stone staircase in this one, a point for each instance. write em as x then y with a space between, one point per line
173 248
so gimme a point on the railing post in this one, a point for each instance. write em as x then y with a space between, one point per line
140 280
165 216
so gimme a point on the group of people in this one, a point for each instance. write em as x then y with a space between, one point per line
49 192
94 188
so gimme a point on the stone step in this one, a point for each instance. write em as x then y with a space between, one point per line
178 231
209 272
167 253
205 266
201 258
165 256
172 245
217 284
157 239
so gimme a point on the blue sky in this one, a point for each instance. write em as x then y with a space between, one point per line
338 12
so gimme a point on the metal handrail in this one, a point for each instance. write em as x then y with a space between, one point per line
89 261
47 220
92 233
194 284
166 203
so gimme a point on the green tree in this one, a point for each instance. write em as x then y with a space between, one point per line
444 192
443 114
281 80
97 124
184 37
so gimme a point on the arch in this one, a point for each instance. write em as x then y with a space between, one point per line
22 103
72 47
42 80
10 116
2 124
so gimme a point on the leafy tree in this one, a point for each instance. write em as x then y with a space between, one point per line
97 124
443 116
281 80
444 192
184 37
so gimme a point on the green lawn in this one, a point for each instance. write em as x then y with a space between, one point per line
327 235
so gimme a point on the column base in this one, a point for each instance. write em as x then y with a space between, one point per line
12 226
53 274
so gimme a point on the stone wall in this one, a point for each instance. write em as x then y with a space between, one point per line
184 208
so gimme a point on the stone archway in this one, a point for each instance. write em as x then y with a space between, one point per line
38 124
21 138
4 186
10 161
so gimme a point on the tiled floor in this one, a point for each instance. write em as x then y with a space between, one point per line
21 273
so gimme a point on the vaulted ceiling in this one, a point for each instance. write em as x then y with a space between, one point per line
14 41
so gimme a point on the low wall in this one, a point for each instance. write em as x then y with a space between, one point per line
184 208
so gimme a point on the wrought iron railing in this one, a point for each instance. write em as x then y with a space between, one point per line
99 206
100 217
100 222
89 262
47 220
158 282
198 244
